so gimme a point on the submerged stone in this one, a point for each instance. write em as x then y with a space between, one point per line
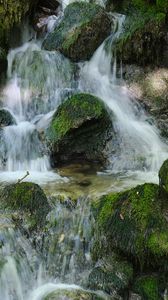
135 223
29 199
83 28
73 294
43 73
6 119
80 130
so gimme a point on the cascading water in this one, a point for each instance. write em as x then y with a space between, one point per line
139 147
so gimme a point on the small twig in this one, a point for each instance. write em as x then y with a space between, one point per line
27 174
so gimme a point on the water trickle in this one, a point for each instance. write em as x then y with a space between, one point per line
68 241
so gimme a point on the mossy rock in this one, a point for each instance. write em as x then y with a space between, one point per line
29 199
80 130
143 40
111 274
134 222
83 28
6 119
72 294
163 176
147 287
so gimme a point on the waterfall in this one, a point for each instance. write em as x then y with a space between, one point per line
37 82
139 146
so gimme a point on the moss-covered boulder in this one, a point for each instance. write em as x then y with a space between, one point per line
72 294
147 287
6 118
80 130
111 274
27 198
82 30
134 222
163 176
143 40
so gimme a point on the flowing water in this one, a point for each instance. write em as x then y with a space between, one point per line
139 146
38 81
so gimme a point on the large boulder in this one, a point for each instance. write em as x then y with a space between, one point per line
28 199
83 28
135 223
144 38
80 130
143 45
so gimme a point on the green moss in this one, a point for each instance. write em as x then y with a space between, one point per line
27 197
158 243
145 25
73 113
147 287
133 222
